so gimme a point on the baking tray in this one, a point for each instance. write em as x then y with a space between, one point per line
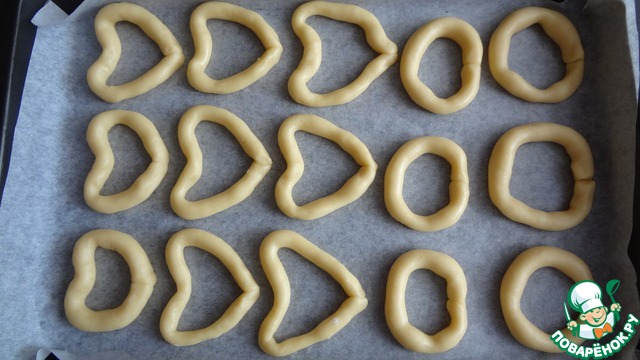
147 326
18 35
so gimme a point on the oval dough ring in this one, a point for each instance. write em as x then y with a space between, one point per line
142 281
237 192
181 275
277 276
515 281
312 54
204 47
468 40
349 192
101 69
395 306
145 184
501 166
458 188
561 31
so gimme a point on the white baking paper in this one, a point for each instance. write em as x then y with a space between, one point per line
43 212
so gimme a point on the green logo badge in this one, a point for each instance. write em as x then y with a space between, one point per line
595 322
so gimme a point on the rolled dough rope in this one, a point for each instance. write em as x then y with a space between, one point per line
204 47
102 68
395 305
501 167
349 192
561 31
312 54
458 188
237 192
468 39
277 276
181 275
515 281
142 281
145 184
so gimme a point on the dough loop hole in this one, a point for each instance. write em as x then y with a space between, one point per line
213 290
441 66
113 279
345 53
543 299
223 161
313 295
426 301
139 54
536 57
326 168
131 159
235 48
426 184
542 176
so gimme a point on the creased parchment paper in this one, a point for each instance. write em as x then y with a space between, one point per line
43 212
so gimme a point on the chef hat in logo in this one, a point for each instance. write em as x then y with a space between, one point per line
584 296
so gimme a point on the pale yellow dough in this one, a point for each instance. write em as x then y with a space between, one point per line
349 192
395 306
312 54
501 166
458 188
142 281
145 184
515 281
277 276
239 191
561 31
468 40
181 275
102 68
204 47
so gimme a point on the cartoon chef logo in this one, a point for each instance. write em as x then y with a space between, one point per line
595 320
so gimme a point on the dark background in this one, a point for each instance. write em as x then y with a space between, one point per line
16 39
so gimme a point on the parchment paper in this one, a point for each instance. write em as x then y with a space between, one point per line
43 212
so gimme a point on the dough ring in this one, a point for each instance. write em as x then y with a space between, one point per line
458 188
239 191
514 282
349 192
204 46
312 55
145 184
142 281
468 39
395 306
181 275
501 166
561 31
102 68
277 276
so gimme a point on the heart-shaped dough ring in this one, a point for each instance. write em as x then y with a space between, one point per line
181 275
145 184
142 281
204 47
349 192
312 54
239 191
277 276
101 69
